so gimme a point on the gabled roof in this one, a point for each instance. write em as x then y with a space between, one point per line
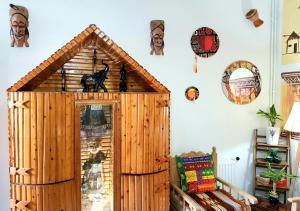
293 36
60 57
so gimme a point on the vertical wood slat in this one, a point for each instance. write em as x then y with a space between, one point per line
145 133
133 132
53 139
45 197
145 192
140 133
21 137
125 180
77 159
42 137
26 136
167 132
123 133
69 135
11 135
156 131
122 194
151 132
116 150
47 139
131 197
128 135
16 136
33 130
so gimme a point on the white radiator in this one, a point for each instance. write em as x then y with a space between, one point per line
227 170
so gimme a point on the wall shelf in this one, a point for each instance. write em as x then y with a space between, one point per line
260 147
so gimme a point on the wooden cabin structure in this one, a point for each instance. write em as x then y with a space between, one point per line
63 157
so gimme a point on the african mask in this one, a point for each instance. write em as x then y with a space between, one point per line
19 26
157 37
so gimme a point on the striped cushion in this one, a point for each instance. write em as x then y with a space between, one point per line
217 201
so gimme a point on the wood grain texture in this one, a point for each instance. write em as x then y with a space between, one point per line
42 138
82 63
45 197
145 192
144 133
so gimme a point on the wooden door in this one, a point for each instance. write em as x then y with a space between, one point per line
144 133
41 137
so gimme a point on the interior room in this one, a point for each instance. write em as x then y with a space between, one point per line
149 105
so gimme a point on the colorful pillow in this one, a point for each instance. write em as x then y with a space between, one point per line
196 174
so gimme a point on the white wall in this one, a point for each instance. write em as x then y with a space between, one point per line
210 121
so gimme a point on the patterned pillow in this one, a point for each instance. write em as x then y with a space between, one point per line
196 174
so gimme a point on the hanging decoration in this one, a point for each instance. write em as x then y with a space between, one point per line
253 16
63 78
95 82
19 26
192 93
205 43
123 80
157 37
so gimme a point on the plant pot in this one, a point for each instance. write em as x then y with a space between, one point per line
272 135
273 199
277 159
262 180
281 184
269 159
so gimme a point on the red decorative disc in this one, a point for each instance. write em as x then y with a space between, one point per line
205 42
192 93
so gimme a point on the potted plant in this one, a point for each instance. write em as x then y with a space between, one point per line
276 177
273 157
273 197
272 132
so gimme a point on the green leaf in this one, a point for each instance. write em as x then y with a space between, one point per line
272 115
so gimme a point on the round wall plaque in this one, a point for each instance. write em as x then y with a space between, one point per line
205 42
192 93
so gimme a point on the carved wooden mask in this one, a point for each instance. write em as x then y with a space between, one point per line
19 26
157 37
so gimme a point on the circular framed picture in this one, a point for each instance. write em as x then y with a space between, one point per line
241 82
192 93
205 42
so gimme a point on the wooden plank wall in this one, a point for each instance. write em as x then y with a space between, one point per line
54 197
42 137
146 192
82 63
144 133
91 96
